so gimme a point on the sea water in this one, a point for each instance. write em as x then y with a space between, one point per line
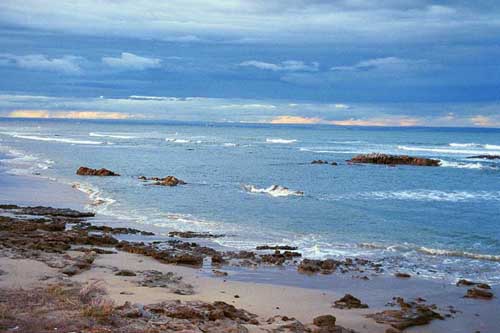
256 184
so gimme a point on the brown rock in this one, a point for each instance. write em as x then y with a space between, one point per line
84 171
125 272
402 275
393 160
349 302
479 293
325 321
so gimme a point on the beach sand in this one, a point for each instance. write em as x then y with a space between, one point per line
266 292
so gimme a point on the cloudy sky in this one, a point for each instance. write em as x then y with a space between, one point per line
339 62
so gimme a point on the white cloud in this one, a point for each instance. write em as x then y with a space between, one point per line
67 64
130 61
385 64
320 20
285 66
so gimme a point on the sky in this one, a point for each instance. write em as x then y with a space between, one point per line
338 62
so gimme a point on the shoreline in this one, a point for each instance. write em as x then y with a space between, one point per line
263 289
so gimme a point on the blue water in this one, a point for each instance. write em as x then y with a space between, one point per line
442 222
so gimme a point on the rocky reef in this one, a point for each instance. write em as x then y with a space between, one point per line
393 160
85 171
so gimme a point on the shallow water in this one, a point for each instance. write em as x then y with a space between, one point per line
439 221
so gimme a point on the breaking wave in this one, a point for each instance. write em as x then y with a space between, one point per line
464 165
65 140
114 136
447 150
465 145
273 190
281 141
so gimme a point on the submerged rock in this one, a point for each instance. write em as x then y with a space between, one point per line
277 247
479 293
84 171
486 157
193 234
393 160
166 181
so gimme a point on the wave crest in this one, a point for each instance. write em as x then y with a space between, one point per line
273 190
280 141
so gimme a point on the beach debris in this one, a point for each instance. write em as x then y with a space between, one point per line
193 234
410 314
377 158
349 302
85 171
479 293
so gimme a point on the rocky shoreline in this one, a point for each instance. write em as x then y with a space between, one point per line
56 236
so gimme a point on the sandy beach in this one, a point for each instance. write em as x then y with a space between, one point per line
266 291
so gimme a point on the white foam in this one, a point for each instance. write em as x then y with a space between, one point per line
461 254
448 150
472 144
464 165
280 141
433 195
273 190
99 202
179 140
114 136
21 163
65 140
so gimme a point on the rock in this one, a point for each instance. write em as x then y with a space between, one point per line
393 160
487 157
276 247
217 259
410 314
169 280
319 162
334 163
192 234
47 211
167 181
464 282
219 273
84 171
479 294
349 302
125 272
325 321
402 275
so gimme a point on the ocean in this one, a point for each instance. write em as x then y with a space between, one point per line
438 222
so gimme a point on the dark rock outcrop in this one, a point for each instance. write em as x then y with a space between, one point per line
84 171
276 247
193 234
166 181
479 293
349 302
410 314
486 157
393 160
